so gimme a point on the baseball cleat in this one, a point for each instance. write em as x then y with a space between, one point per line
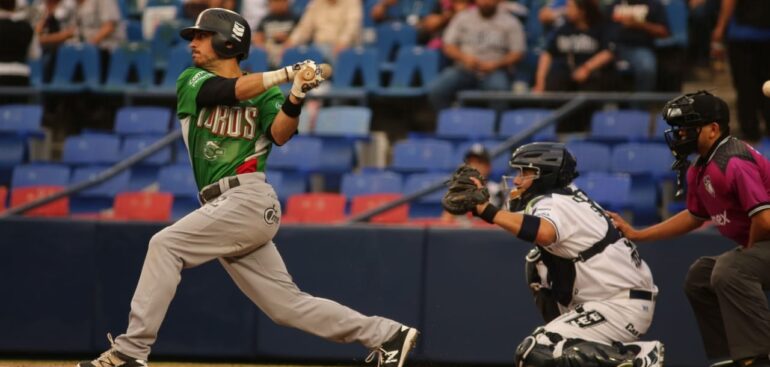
393 352
113 358
651 355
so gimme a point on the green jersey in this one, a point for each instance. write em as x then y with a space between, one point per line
224 140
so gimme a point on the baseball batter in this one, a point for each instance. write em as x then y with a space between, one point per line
230 121
603 288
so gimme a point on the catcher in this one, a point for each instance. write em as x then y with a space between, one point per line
602 289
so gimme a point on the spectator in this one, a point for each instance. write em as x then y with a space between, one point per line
55 25
99 24
478 157
274 29
192 8
16 44
702 19
745 24
254 11
330 25
636 24
432 25
552 14
577 56
485 44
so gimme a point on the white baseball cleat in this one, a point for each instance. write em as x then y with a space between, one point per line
393 352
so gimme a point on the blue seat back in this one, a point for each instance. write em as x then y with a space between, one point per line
137 143
108 188
391 37
410 60
363 60
466 123
178 180
620 125
142 120
301 53
164 40
256 62
20 118
11 151
677 14
40 175
121 61
347 121
302 153
179 59
641 158
419 181
515 121
611 190
89 149
287 184
68 57
370 183
422 155
591 157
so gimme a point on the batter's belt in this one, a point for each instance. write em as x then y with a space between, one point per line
214 190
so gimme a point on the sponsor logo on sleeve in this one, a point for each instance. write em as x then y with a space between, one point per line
198 77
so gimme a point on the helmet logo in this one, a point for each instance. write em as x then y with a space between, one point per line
238 30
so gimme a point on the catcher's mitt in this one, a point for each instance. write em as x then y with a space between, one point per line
463 194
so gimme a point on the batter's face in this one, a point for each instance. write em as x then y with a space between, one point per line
203 55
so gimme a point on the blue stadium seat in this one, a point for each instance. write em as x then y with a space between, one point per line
429 205
178 59
40 175
301 154
370 183
422 155
21 118
410 63
301 53
287 184
676 12
391 37
164 40
533 28
134 30
142 120
68 57
347 121
591 157
123 58
91 149
298 6
256 62
181 155
11 154
352 61
660 128
99 197
513 122
642 158
180 182
611 190
145 172
764 148
620 125
35 72
466 123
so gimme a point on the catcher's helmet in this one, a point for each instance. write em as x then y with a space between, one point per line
555 166
232 34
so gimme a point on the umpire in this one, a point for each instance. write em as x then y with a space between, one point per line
729 185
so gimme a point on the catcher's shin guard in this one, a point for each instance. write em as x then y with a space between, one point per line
551 350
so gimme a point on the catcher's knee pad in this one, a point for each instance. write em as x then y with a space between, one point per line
552 350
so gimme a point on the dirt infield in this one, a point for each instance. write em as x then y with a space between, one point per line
13 363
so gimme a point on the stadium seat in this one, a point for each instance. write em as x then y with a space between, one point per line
68 57
256 62
764 148
301 53
466 123
611 190
178 59
422 155
659 131
391 37
352 61
428 205
123 58
676 12
642 158
620 125
370 183
178 180
145 172
513 122
21 118
591 157
27 194
99 197
91 149
287 184
11 154
134 30
347 121
142 120
412 63
39 174
301 154
315 208
147 206
366 202
164 40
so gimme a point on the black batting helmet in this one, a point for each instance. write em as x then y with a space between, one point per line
232 34
555 166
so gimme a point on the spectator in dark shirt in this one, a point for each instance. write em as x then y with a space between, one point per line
635 25
577 56
15 46
274 29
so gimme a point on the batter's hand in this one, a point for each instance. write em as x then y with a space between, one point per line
310 76
621 224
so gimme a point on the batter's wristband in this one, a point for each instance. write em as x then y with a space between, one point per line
488 215
290 108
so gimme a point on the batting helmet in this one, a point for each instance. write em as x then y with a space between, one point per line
232 34
555 166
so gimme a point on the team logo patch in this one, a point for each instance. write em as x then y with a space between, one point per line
271 216
212 150
709 187
586 320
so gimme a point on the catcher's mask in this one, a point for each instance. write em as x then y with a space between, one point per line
550 167
687 114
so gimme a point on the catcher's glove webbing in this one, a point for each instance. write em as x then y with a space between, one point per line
463 195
